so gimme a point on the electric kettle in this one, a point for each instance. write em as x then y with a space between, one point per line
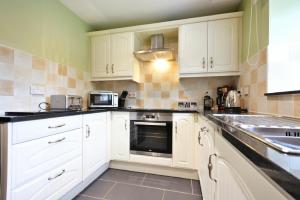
233 102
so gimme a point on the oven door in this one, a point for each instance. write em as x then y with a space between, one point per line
101 100
153 138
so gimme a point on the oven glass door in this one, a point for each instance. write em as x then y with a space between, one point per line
151 138
101 99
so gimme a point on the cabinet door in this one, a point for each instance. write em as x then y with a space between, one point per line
229 185
206 151
94 142
100 56
193 48
183 140
120 136
121 54
223 45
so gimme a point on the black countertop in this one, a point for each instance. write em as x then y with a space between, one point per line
283 169
28 116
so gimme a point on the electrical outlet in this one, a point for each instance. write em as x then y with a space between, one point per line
37 90
246 90
131 94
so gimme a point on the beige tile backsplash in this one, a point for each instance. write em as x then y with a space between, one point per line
19 70
162 88
254 76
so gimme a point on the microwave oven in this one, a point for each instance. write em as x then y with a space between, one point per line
99 99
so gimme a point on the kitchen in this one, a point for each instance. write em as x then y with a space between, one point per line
149 100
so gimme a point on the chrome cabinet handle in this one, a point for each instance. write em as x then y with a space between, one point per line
203 62
210 167
199 138
57 141
88 131
211 62
126 125
57 126
176 130
58 175
107 69
112 68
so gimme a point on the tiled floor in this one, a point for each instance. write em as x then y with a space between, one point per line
125 185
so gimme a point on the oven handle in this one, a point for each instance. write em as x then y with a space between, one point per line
150 124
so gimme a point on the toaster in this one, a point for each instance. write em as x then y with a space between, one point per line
65 102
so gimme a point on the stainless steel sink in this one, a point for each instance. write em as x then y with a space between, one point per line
280 133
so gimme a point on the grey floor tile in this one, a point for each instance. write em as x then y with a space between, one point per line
133 192
84 198
196 187
180 196
169 183
123 176
98 189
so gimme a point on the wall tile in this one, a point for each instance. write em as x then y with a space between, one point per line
6 88
6 55
39 63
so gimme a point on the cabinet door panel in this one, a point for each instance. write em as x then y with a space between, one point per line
121 54
193 48
120 136
223 45
71 175
34 158
94 142
100 56
206 149
183 140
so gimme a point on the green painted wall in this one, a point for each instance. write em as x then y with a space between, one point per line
262 26
44 28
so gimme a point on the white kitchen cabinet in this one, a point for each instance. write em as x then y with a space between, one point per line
193 48
223 43
205 151
209 47
120 136
112 57
183 140
100 55
94 142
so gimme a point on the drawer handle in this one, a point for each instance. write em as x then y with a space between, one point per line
56 141
58 126
56 176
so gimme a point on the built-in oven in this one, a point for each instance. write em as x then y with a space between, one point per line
151 134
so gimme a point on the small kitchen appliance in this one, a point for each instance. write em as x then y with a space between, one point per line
221 97
208 102
233 102
65 102
102 99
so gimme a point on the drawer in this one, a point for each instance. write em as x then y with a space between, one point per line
30 130
53 184
36 157
71 176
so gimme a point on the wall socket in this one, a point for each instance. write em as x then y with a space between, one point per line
131 94
37 90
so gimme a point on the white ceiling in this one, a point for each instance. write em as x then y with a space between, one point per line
104 14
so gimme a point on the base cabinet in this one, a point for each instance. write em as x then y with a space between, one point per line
120 136
94 142
183 140
224 173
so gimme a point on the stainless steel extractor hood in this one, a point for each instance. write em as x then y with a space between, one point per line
157 50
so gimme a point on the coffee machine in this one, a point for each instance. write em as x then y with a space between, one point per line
221 97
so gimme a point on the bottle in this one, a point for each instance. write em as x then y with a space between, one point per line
208 102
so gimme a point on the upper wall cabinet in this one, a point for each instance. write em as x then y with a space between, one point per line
209 48
112 57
